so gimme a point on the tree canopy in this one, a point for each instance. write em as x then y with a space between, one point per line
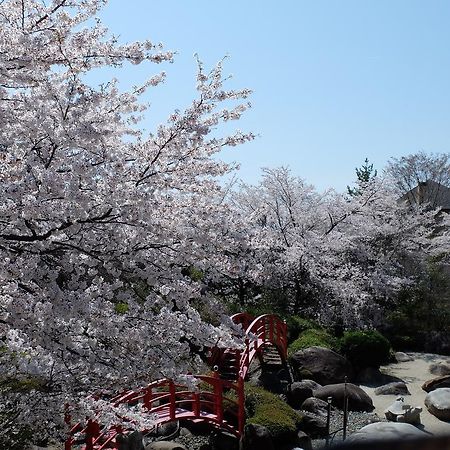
99 221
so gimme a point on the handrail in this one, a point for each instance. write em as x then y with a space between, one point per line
264 330
170 401
243 318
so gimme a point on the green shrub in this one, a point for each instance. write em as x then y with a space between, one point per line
297 325
365 348
267 409
314 337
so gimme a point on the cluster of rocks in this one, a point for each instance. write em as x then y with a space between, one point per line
437 400
322 380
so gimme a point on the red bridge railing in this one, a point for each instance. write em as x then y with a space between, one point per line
216 400
263 331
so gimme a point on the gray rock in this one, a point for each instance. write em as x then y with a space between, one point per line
311 384
436 383
315 406
298 393
438 403
270 382
314 425
221 440
185 432
321 365
167 429
395 388
372 376
131 441
441 368
304 441
386 431
256 437
358 400
403 357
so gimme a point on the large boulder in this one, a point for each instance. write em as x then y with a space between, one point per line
304 441
314 425
315 406
381 431
313 385
256 437
272 380
403 357
221 440
321 365
395 388
298 393
358 400
167 430
436 383
438 403
372 376
440 369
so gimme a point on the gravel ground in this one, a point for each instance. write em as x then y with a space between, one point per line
189 440
192 442
356 420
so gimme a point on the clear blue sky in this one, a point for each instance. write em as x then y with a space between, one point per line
334 81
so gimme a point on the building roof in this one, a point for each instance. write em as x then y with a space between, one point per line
436 194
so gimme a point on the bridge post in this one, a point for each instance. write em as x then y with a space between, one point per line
218 398
271 323
196 404
237 362
172 400
92 431
148 398
247 352
241 405
67 420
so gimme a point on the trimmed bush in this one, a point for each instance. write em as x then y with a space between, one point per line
267 409
365 348
314 337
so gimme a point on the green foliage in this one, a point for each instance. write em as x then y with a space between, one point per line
16 438
207 314
314 337
265 304
121 308
365 348
297 325
365 174
267 409
423 308
13 436
193 273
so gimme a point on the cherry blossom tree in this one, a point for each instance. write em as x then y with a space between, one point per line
99 221
336 257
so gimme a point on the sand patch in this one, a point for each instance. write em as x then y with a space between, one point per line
414 374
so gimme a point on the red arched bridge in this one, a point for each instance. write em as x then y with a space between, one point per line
219 399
